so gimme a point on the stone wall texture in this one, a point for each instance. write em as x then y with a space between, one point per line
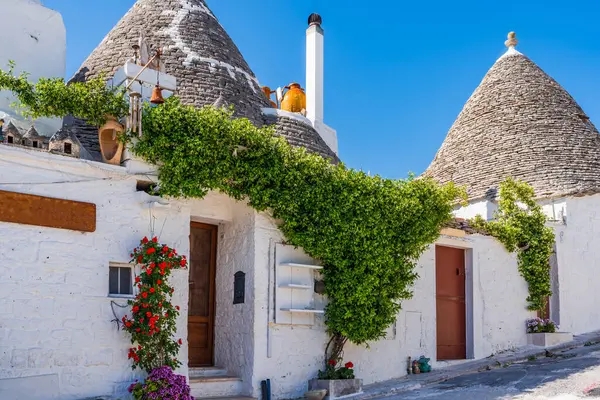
520 122
209 68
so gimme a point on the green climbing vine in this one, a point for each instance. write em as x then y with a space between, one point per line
520 224
367 231
51 97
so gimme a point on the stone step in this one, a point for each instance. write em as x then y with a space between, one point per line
206 371
216 386
227 398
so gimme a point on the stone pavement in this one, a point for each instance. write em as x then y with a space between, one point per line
502 376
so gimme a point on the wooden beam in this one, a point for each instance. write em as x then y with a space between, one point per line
453 232
29 209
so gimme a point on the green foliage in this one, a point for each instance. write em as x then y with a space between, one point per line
333 372
153 320
520 224
91 100
367 231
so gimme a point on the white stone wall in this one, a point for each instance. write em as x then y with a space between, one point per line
291 355
578 256
34 37
234 344
55 313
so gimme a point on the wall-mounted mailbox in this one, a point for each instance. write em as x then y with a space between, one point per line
239 287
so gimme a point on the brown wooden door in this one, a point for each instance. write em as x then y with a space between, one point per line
450 303
201 310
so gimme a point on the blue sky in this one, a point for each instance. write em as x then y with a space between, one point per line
396 73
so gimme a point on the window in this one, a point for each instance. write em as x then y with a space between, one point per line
10 140
24 142
35 143
68 148
119 280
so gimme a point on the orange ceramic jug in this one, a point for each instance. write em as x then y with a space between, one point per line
294 99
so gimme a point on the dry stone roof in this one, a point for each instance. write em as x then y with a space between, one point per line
520 122
209 68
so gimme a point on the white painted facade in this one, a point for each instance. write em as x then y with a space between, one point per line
55 312
37 45
575 275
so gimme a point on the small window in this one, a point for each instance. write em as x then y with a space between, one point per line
119 281
35 143
68 148
24 142
10 140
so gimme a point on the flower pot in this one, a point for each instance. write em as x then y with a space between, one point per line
548 339
337 388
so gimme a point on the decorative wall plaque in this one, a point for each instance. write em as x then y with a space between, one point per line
29 209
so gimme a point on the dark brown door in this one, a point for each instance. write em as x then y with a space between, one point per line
201 311
450 303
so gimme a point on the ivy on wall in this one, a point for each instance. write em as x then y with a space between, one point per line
368 232
51 97
520 224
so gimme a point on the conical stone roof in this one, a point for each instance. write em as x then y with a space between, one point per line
209 68
520 122
196 50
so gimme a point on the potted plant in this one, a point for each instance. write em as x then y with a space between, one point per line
162 383
543 332
339 381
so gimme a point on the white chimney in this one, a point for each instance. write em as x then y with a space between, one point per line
314 69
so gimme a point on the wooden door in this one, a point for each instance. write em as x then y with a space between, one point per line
450 303
201 310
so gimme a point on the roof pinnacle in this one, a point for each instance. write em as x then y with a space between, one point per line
512 40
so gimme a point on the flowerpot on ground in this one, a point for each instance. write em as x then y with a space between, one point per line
542 332
337 388
549 339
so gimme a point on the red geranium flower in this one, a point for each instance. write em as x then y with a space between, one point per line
165 249
145 240
135 309
140 258
182 262
155 239
148 314
138 279
180 341
162 272
151 290
349 365
151 250
159 282
177 308
332 362
144 294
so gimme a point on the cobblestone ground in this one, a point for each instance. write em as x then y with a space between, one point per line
569 375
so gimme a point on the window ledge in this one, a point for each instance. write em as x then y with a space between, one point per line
121 296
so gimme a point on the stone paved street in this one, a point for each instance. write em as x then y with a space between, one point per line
573 374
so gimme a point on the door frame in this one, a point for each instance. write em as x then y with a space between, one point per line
469 298
212 288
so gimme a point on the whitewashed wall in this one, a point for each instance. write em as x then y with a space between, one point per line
56 332
34 37
578 255
291 355
234 345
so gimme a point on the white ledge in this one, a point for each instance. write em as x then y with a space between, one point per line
282 113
